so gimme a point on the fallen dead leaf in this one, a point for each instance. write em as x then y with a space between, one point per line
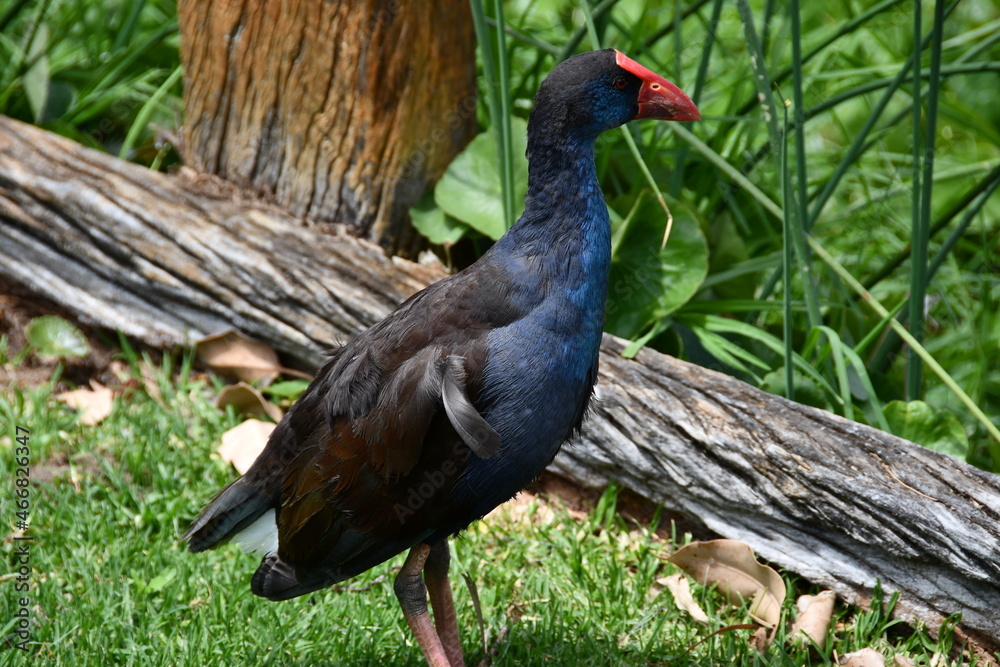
733 568
903 661
149 382
815 616
95 403
680 588
761 639
232 353
120 370
247 401
241 445
866 657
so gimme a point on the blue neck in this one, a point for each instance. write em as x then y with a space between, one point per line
565 225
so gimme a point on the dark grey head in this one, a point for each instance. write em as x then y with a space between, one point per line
596 91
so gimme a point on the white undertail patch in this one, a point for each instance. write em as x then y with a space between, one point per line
261 536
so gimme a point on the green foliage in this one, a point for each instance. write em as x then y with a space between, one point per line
100 73
55 338
649 282
935 429
286 388
837 189
437 226
471 190
112 583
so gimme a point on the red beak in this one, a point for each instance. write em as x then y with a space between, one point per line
658 98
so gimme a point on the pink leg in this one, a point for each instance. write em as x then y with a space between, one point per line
412 596
439 589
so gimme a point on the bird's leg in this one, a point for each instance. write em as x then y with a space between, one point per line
412 594
439 590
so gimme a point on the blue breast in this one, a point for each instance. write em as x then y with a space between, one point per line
540 369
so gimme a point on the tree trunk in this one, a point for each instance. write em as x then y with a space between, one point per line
840 503
342 111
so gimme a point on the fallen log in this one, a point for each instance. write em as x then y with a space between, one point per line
167 260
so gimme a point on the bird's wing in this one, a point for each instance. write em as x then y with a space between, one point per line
389 423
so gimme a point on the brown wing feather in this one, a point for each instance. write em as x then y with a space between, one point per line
362 460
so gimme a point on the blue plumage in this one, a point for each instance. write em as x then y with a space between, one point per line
540 369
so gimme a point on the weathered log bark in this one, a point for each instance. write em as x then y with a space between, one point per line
840 503
340 111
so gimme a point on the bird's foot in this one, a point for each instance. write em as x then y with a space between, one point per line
439 590
412 594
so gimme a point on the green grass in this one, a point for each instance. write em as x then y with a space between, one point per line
113 584
105 74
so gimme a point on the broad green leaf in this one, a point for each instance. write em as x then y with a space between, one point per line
437 226
729 250
54 337
286 388
648 283
470 189
935 429
807 390
159 582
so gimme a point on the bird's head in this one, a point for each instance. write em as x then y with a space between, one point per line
596 91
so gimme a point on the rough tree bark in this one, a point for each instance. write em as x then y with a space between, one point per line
338 111
842 504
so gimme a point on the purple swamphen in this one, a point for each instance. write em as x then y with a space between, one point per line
454 402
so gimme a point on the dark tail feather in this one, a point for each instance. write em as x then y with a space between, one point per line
238 506
275 580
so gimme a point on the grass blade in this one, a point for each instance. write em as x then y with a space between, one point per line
925 356
786 267
574 41
801 181
142 118
837 350
499 122
854 151
918 235
974 194
506 111
959 230
777 138
677 181
629 141
921 225
724 325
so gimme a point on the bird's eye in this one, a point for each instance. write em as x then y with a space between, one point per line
620 82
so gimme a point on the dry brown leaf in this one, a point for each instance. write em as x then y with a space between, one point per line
232 353
241 445
95 403
679 587
815 616
866 657
150 384
120 370
903 661
247 401
761 639
733 568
